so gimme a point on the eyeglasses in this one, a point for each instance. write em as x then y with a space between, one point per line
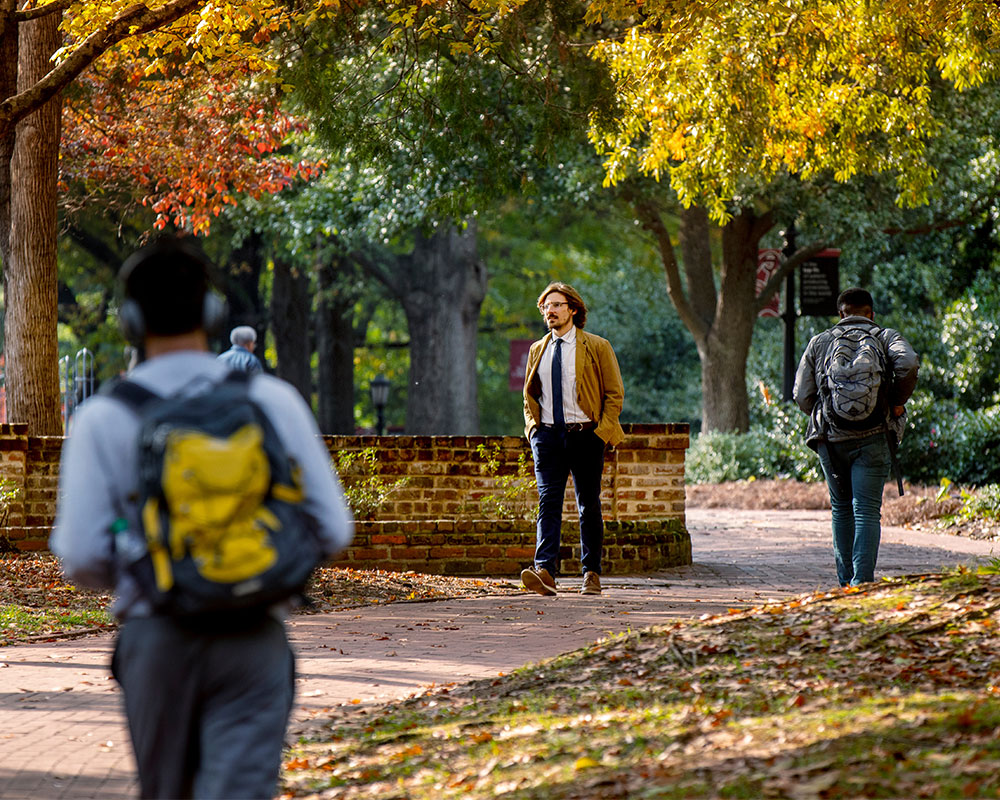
547 306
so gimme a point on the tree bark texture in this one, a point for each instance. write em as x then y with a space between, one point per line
243 289
8 87
291 306
31 344
441 286
719 312
335 349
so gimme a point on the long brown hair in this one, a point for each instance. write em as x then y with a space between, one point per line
572 297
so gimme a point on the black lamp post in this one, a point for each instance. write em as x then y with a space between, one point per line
379 389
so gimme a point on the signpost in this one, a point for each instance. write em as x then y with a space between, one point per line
768 262
820 285
789 316
817 298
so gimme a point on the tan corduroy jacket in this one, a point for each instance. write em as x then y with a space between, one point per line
599 389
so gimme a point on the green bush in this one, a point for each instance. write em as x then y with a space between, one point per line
514 495
759 453
944 440
364 489
774 447
982 503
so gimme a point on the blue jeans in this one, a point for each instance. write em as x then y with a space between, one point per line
856 472
558 454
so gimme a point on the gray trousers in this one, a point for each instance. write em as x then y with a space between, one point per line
207 712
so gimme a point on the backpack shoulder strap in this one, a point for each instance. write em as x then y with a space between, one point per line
130 393
237 377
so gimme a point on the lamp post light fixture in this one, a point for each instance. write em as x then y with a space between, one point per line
379 389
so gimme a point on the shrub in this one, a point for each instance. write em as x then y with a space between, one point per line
774 447
364 489
514 495
946 440
759 453
982 503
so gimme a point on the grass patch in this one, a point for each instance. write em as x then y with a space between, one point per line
38 621
37 602
892 690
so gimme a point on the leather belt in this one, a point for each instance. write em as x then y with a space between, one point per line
573 426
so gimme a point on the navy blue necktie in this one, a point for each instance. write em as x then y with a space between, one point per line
557 387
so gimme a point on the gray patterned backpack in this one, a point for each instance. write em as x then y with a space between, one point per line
855 378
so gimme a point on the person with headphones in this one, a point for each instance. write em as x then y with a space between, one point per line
207 709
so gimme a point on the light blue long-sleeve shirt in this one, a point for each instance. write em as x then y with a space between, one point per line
99 481
240 358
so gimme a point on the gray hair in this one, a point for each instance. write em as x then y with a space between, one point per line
243 335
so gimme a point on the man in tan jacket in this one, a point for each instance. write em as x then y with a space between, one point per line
573 396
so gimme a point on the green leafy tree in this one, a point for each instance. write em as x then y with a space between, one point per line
44 47
426 137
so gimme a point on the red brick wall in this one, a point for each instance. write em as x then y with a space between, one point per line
32 464
439 520
491 547
447 478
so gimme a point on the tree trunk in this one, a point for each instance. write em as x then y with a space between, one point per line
441 286
290 311
721 319
243 289
8 87
31 344
335 350
723 352
724 405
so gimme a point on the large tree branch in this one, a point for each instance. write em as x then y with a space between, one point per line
793 262
762 225
375 265
6 16
95 246
649 217
134 21
56 6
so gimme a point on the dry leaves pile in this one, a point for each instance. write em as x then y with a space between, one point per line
36 603
888 691
341 587
919 507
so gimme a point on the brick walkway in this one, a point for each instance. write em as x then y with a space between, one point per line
64 736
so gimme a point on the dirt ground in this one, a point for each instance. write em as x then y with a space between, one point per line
917 508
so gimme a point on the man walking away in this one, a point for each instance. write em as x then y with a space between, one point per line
573 396
853 381
241 355
207 704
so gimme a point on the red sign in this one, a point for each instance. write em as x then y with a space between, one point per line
768 262
518 363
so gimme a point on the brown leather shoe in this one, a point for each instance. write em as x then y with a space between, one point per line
539 580
591 583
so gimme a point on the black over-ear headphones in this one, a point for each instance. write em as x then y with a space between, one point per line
132 321
130 316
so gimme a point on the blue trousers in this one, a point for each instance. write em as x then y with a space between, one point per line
206 712
559 454
856 471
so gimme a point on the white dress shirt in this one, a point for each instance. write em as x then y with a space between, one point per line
572 412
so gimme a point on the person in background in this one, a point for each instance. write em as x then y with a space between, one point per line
241 355
573 395
846 370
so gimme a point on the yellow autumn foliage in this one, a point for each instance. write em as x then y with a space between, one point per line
717 94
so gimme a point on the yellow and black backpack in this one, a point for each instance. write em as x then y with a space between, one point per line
223 532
